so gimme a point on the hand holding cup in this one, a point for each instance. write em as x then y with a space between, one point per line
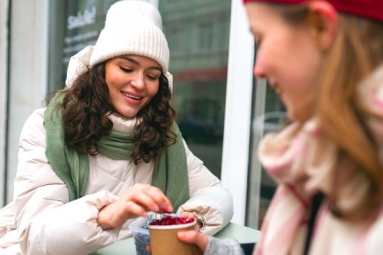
163 235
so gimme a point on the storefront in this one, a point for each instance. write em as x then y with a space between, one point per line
221 107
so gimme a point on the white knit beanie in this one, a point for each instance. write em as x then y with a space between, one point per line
132 27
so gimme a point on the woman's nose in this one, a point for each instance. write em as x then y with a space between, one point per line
138 81
258 70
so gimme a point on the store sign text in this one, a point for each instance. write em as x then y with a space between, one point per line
82 19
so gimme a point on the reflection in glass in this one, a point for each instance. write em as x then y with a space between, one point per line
274 117
73 25
271 120
198 36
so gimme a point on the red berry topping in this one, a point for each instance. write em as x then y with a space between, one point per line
171 220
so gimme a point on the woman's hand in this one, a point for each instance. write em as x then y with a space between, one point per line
200 241
188 215
135 201
193 236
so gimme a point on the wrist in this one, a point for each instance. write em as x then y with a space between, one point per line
102 220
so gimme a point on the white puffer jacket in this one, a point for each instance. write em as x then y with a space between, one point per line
41 220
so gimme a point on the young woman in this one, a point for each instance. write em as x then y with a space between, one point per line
325 60
107 149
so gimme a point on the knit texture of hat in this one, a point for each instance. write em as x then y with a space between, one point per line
132 27
371 9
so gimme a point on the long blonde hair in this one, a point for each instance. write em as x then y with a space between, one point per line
356 52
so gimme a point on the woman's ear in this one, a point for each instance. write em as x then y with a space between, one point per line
323 23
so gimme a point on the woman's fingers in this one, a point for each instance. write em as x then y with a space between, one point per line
149 197
188 215
132 209
135 201
194 237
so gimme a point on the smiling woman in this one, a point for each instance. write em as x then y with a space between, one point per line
132 82
107 149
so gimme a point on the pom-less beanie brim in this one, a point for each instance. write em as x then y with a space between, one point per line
132 27
145 41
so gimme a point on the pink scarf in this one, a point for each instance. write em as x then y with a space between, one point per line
292 159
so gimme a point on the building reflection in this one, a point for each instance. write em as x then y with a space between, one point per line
198 36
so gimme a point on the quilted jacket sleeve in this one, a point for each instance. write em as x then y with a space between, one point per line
211 202
47 223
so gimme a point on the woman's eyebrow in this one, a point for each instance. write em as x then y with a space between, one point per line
127 58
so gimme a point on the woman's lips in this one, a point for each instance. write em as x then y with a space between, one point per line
132 98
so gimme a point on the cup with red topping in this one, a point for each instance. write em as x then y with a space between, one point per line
163 235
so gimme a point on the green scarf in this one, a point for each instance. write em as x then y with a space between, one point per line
170 172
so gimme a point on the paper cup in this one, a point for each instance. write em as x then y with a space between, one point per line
164 241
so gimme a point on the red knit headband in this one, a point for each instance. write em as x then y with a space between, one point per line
372 9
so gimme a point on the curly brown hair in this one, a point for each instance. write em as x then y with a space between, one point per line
86 107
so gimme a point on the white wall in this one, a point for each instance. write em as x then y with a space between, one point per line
235 158
28 71
3 90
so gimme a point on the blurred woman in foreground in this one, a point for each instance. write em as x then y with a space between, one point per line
324 59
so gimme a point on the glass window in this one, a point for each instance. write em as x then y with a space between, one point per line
269 114
175 38
199 68
74 24
205 36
